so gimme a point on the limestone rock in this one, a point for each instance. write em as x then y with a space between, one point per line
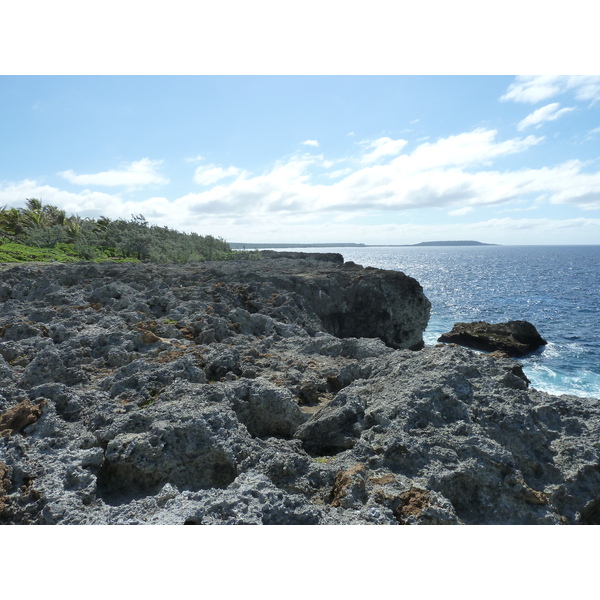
276 391
6 373
187 446
4 486
20 416
514 338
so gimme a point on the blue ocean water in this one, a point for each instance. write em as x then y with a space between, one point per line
557 288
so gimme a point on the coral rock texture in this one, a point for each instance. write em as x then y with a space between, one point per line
514 338
279 391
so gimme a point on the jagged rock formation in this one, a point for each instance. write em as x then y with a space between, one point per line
238 393
514 338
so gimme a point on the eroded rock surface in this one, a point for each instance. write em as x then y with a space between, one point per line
514 338
268 392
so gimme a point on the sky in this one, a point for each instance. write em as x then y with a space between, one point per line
307 159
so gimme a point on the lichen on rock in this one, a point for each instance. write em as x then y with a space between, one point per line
20 416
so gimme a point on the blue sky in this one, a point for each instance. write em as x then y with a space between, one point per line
372 159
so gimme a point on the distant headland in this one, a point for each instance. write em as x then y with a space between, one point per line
252 246
241 246
453 243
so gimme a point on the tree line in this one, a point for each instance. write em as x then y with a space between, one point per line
46 226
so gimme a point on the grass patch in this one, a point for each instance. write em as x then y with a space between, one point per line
13 252
63 253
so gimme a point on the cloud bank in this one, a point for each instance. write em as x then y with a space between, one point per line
137 174
376 195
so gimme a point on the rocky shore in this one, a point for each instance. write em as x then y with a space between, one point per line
513 338
295 389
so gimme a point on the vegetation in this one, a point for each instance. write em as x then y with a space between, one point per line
13 252
41 232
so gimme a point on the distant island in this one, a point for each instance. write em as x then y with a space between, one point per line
453 243
252 246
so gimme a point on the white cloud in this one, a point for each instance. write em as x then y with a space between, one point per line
311 143
542 230
452 172
593 133
293 198
211 174
535 88
339 173
475 147
550 112
88 203
85 202
137 174
381 148
459 212
446 173
587 88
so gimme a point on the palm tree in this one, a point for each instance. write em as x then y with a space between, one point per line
54 215
102 223
72 227
33 204
11 223
34 216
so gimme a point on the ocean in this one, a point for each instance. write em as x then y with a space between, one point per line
557 288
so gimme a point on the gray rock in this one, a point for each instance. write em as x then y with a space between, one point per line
49 366
253 500
266 409
279 391
191 448
515 338
6 372
336 426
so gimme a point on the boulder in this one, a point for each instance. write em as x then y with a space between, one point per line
515 338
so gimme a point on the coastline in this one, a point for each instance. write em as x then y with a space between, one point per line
550 286
262 392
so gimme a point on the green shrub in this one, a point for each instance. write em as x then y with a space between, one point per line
69 238
14 252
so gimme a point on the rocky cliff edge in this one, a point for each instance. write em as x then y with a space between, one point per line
281 391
